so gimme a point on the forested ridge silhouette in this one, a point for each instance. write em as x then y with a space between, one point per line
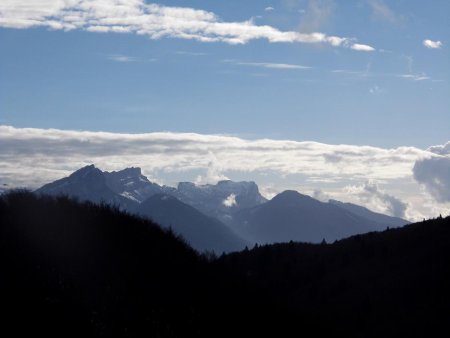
74 269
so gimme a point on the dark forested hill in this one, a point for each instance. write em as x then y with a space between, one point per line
391 283
83 270
80 270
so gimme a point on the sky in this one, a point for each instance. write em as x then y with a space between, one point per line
336 99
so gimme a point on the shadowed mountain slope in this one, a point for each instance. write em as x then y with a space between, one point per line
293 216
381 219
202 232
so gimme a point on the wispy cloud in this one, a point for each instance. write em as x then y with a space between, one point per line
153 20
382 11
369 74
317 15
190 53
376 90
347 71
127 58
270 65
432 44
415 77
269 9
123 58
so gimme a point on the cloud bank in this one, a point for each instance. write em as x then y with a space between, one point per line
26 150
30 157
152 20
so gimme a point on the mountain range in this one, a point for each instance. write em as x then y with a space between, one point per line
223 217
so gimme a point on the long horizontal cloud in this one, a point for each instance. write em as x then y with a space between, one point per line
270 65
34 156
154 20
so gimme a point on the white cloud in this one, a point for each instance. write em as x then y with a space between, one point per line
440 149
434 174
362 48
319 195
22 147
31 157
271 65
432 44
31 148
269 9
269 191
370 195
415 77
123 58
153 20
214 171
230 201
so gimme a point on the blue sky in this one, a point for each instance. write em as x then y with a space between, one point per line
125 82
361 73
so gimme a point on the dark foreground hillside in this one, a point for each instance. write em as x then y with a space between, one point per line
82 270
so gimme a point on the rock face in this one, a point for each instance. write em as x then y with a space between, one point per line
87 184
131 184
222 200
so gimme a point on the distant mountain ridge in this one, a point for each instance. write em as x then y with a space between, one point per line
381 219
87 184
194 211
228 215
293 216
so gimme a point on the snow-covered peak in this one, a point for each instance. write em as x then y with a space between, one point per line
222 199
